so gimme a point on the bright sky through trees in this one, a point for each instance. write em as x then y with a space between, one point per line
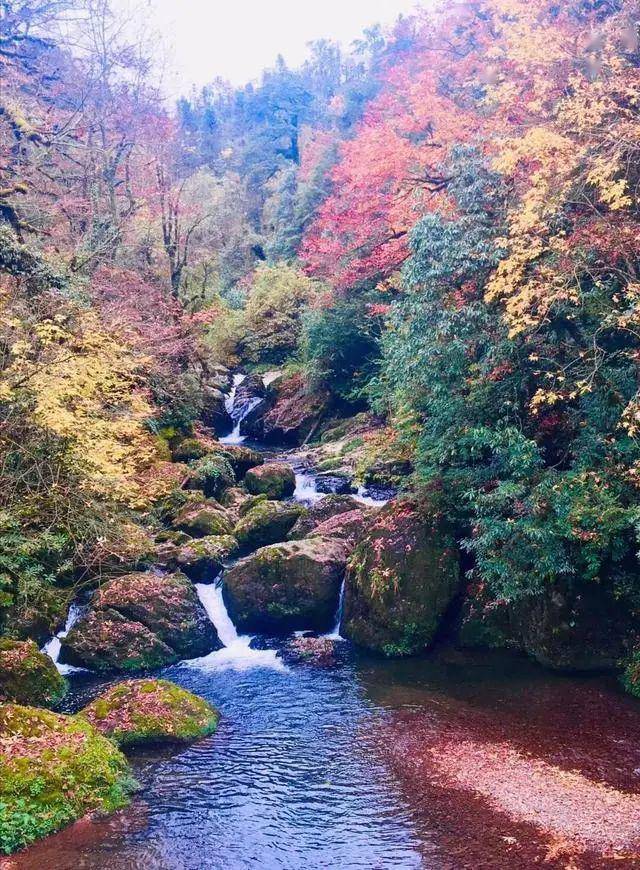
207 38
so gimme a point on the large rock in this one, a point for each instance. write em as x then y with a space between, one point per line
350 526
28 676
295 413
240 458
136 712
141 621
200 559
203 520
105 640
322 510
267 522
582 628
275 480
401 579
288 586
212 475
53 770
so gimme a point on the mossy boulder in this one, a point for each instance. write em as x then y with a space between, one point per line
28 676
188 449
237 502
105 640
274 479
203 520
212 475
311 650
53 770
240 458
401 579
141 621
267 522
285 587
201 559
136 712
317 513
349 526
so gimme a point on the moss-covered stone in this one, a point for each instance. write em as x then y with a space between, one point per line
212 474
136 712
349 526
240 458
285 587
401 578
105 640
28 676
200 559
39 616
141 621
189 449
267 522
324 509
53 770
275 480
203 520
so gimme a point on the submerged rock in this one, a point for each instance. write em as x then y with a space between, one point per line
275 480
141 621
322 510
136 712
286 587
400 581
266 523
53 770
203 519
28 676
312 650
338 483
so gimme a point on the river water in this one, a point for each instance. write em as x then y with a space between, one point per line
333 768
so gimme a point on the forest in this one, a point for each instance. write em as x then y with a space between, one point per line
363 335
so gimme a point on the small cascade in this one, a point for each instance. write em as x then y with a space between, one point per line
234 437
269 377
334 634
368 499
52 647
305 491
236 652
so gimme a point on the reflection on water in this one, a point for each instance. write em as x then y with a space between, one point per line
300 774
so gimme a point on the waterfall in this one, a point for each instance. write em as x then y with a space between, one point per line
334 634
53 646
239 414
305 490
236 652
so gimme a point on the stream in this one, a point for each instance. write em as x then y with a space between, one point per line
331 768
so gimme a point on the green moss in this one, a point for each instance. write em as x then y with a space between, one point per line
266 523
151 711
275 480
189 449
53 770
28 676
630 677
212 474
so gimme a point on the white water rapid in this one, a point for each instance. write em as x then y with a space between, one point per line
236 652
53 646
234 437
